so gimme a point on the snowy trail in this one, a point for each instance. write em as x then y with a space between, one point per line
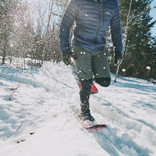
41 105
131 113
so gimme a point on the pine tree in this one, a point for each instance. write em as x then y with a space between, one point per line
138 37
5 27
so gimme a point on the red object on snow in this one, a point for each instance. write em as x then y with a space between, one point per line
94 90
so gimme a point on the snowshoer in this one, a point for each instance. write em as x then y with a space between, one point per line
92 19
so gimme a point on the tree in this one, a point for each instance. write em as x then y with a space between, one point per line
24 35
5 27
138 38
46 44
22 30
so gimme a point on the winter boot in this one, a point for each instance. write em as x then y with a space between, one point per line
85 113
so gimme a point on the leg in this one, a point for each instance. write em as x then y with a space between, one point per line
84 98
101 69
82 68
105 82
85 94
83 63
93 90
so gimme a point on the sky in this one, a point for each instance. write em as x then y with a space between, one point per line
152 13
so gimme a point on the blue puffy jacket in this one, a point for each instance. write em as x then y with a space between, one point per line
92 19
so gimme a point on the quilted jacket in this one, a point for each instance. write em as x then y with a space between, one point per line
92 20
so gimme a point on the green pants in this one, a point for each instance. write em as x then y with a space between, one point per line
91 65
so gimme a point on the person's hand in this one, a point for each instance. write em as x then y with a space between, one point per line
118 57
67 54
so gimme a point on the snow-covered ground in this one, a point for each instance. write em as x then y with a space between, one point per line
34 110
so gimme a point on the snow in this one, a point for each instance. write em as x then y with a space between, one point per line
37 101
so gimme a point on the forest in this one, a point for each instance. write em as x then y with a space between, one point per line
31 30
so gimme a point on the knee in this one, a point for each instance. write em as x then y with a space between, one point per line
105 82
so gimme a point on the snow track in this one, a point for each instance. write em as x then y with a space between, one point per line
40 100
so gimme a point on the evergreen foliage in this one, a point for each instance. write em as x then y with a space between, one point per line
138 38
22 35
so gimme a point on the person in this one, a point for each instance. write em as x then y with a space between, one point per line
92 18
